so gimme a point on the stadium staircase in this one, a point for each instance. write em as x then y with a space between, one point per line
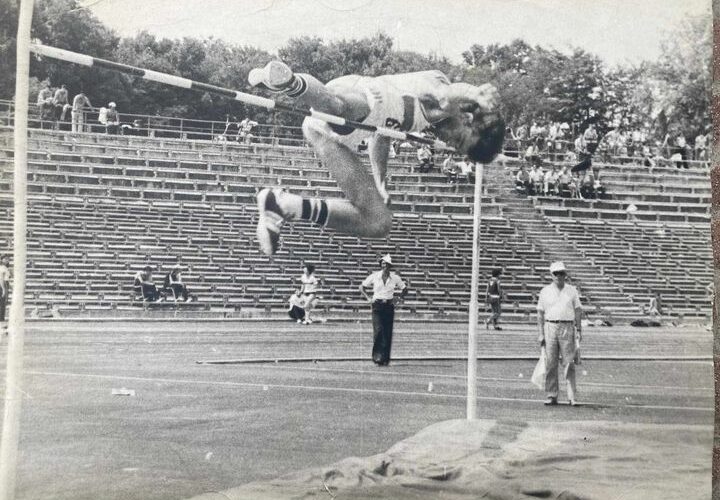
598 288
101 207
661 249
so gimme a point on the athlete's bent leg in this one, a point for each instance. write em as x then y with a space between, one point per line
364 213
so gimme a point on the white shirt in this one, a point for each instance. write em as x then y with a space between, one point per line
465 167
559 305
384 290
295 301
310 283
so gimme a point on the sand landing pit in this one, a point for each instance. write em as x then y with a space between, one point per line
508 460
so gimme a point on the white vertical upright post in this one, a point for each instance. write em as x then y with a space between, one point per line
474 292
14 366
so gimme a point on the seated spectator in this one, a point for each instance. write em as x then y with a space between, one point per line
631 210
144 285
654 308
532 154
550 181
574 186
522 181
173 284
424 156
563 183
296 307
537 178
648 157
60 101
587 185
47 114
580 145
570 156
362 146
112 118
466 170
590 138
44 94
598 188
450 169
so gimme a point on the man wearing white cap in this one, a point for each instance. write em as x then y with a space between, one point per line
559 315
384 284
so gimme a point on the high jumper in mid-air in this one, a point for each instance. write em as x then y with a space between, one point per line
466 117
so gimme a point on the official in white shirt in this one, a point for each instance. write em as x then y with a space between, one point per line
384 284
560 331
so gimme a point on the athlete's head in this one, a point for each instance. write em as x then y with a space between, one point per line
474 127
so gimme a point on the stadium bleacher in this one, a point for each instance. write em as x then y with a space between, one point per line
101 207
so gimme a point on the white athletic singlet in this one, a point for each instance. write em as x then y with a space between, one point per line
390 107
310 283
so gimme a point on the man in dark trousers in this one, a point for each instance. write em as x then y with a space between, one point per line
384 284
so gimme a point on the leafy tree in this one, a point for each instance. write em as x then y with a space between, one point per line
684 76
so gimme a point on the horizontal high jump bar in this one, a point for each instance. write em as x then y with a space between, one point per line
317 359
253 100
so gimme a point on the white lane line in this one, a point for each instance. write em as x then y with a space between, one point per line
348 389
485 379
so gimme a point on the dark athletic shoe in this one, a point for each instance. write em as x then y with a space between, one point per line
551 402
270 220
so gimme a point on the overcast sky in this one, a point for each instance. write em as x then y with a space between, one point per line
617 30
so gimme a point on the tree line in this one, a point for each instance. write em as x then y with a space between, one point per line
670 95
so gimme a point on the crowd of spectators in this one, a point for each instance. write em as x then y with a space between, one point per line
555 141
559 181
56 112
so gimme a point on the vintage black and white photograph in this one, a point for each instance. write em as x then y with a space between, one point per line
357 249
